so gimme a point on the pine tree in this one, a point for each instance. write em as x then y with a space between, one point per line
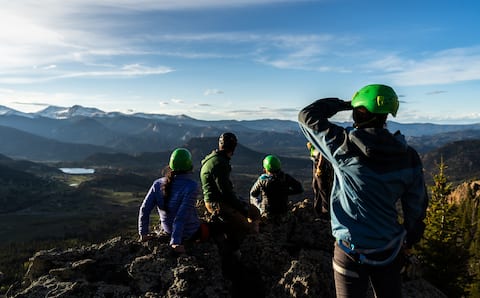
470 213
442 250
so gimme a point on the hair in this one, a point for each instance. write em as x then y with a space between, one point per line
363 118
276 173
227 142
166 187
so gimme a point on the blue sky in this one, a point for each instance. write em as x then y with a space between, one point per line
240 59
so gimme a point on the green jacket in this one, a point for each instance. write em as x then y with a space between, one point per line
215 178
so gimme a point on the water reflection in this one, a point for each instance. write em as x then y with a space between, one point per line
78 171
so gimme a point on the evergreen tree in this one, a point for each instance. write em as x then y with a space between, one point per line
470 213
442 250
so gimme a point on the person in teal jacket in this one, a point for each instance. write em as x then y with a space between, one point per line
373 170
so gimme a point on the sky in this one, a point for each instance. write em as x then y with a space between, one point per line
240 59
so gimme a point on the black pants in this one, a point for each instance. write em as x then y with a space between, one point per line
352 279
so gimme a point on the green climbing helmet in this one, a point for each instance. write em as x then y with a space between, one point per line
181 160
376 98
271 163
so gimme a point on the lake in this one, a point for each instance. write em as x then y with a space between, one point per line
77 171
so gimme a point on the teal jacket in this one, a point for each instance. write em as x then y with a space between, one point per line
215 178
373 169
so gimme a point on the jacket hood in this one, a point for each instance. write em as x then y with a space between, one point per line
379 143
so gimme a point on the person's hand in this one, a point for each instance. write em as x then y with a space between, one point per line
146 237
178 248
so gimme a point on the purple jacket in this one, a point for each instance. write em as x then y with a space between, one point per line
179 218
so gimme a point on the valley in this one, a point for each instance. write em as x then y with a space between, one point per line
42 207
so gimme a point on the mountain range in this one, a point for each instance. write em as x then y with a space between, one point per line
74 133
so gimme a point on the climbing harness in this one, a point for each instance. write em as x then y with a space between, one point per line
361 255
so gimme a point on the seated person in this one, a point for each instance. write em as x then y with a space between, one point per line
175 196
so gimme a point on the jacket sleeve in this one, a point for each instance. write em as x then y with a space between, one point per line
414 205
146 208
294 186
187 206
224 184
319 131
315 116
255 193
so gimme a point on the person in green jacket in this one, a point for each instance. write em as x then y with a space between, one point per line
238 217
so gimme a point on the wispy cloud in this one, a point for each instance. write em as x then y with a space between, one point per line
52 66
280 113
177 100
436 92
134 70
443 67
148 5
30 103
212 92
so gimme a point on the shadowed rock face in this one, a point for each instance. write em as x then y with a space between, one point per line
288 258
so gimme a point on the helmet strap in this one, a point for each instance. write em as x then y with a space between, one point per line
363 118
364 123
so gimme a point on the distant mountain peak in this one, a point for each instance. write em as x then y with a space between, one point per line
8 111
56 112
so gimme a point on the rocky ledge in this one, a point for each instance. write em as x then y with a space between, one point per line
291 258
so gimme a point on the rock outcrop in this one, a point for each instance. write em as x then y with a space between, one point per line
464 191
291 258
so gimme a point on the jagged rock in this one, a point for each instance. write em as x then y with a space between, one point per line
465 190
421 288
309 276
290 257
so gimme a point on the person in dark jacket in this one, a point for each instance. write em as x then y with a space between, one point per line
373 170
174 196
239 217
271 190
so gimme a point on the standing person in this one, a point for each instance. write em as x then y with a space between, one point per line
322 182
373 170
239 218
175 196
271 190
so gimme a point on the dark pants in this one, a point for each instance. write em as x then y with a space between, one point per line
352 279
237 224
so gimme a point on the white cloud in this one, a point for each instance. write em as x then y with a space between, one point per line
52 66
122 72
148 5
212 92
443 67
177 100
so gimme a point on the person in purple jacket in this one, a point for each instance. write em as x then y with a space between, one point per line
174 196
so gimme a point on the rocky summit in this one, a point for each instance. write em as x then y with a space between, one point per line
288 258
